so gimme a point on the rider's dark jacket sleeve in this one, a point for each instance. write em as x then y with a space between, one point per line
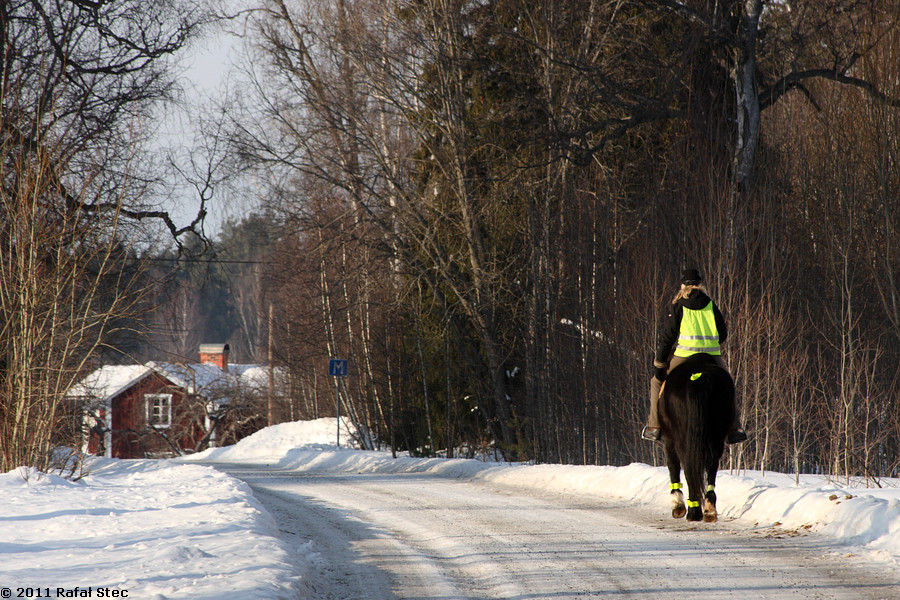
668 336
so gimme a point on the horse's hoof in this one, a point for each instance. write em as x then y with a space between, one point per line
678 507
709 513
694 514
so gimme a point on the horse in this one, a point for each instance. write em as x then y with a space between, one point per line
696 407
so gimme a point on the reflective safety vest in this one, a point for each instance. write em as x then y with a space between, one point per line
698 332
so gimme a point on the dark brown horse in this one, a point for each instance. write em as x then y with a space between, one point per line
695 411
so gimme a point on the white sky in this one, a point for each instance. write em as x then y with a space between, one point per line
206 67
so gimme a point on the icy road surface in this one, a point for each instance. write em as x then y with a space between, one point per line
418 536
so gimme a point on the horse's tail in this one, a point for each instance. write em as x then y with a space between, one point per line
708 409
695 450
695 413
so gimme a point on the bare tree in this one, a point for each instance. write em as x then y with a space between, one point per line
68 288
77 80
523 181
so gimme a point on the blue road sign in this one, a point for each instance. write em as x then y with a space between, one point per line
337 367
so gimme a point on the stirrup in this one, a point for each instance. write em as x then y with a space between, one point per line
651 434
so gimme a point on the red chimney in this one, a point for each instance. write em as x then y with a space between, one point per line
215 354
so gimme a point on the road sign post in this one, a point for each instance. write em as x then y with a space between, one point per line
338 368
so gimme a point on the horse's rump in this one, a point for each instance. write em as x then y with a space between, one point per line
698 401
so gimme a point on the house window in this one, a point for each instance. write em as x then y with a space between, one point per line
159 409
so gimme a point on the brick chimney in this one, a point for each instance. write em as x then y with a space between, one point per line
215 354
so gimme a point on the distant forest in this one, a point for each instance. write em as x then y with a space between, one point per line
485 208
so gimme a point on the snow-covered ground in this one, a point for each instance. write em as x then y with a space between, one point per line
176 529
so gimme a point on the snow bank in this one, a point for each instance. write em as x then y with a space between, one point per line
147 529
274 441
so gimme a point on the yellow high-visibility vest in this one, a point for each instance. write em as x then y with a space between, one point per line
698 332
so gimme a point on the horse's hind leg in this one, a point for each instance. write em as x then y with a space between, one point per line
693 505
710 515
693 474
709 507
676 495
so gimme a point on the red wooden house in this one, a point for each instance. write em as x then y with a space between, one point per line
158 409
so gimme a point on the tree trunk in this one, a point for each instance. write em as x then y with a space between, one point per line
747 121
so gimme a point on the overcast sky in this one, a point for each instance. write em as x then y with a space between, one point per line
205 71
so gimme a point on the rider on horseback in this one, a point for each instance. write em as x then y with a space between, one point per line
694 325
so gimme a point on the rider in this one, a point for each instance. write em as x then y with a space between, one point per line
694 325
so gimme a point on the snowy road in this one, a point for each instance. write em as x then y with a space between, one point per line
419 536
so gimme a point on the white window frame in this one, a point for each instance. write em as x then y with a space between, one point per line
155 405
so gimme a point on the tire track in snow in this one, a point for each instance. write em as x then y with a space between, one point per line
344 547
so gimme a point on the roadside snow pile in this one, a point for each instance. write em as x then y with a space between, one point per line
139 529
275 441
172 529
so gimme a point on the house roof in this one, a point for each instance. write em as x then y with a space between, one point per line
255 376
205 379
214 348
109 381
